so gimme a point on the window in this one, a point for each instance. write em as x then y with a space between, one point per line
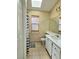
36 3
35 23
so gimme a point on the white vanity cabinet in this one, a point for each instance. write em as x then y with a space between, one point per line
53 46
49 46
56 52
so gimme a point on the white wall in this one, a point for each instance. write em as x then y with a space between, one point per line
21 47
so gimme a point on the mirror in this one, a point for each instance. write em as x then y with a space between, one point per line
55 25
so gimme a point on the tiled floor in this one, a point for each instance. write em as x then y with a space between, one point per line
38 52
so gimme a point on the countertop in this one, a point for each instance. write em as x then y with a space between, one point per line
54 39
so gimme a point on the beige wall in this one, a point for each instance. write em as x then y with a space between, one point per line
54 13
54 25
54 22
43 21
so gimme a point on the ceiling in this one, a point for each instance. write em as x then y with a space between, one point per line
47 5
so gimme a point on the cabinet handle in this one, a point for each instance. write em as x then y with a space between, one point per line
52 44
55 48
54 54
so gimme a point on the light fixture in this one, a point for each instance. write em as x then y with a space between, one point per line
36 3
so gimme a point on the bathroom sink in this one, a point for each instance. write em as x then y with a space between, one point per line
56 37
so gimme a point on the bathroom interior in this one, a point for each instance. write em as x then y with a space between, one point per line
43 29
39 29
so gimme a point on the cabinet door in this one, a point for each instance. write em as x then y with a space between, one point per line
56 52
46 43
54 56
49 46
